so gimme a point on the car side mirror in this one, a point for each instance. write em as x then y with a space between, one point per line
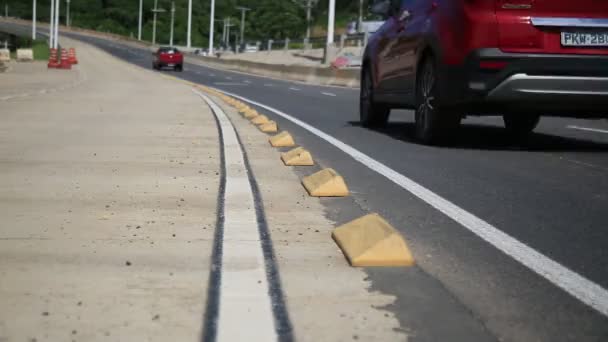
381 8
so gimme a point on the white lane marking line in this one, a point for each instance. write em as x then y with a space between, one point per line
212 75
230 84
328 94
228 77
596 130
268 85
576 285
244 290
246 81
294 88
198 72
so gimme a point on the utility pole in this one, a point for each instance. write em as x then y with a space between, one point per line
243 13
156 10
34 20
308 18
228 25
67 13
141 9
57 13
331 22
52 26
189 35
172 22
211 27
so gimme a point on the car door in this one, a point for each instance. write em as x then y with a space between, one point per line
385 67
399 59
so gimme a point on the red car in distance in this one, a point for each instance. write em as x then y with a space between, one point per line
168 57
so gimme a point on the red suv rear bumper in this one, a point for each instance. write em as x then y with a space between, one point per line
493 82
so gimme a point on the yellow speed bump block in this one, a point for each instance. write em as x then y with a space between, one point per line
250 114
283 139
269 127
371 241
325 183
260 120
297 157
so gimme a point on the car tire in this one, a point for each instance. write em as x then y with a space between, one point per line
179 68
520 125
371 114
433 124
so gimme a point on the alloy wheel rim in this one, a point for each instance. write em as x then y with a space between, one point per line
425 105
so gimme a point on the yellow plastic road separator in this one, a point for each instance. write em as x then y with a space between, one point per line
325 183
260 120
269 127
297 157
283 139
371 241
250 114
244 109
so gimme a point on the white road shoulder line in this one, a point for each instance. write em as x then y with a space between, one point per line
328 94
294 89
576 285
596 130
245 311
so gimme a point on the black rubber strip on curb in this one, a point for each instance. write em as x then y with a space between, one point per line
215 273
282 322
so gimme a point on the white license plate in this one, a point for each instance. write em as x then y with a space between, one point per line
585 38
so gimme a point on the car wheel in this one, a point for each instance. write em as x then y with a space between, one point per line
521 125
433 123
179 68
371 114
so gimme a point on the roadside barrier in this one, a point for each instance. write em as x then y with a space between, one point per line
65 62
53 59
72 56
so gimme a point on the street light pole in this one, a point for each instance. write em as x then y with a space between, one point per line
360 22
189 35
172 22
57 6
52 26
141 8
34 20
67 14
331 22
211 27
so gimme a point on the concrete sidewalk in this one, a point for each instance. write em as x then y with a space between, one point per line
108 199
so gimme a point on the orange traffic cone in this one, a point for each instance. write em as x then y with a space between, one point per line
65 62
72 56
53 59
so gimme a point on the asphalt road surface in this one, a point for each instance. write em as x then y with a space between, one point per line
516 233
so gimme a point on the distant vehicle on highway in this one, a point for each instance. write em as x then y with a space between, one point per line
168 57
519 59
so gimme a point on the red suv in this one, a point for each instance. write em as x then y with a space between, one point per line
517 58
168 57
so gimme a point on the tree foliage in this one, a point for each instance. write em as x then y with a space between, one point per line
268 19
